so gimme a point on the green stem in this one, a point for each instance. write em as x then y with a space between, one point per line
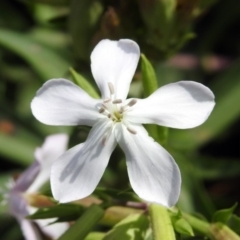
161 223
198 225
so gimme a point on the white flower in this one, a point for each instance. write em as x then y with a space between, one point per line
30 181
153 173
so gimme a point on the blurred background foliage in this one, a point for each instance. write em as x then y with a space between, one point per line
184 40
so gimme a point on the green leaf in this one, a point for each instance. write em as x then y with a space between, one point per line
83 83
223 215
65 212
42 59
95 236
183 227
180 224
234 223
150 85
108 194
133 227
82 227
149 78
197 224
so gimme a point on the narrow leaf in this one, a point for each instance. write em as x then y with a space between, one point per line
82 227
149 78
150 85
95 236
234 223
69 212
83 83
132 227
183 227
223 215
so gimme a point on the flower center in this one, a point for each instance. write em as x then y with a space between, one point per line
115 110
117 116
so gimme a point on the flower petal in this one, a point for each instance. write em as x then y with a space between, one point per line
53 146
77 172
17 204
153 173
184 104
29 230
27 177
54 231
61 102
115 62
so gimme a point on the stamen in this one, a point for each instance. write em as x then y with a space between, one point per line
121 109
111 88
109 115
131 130
104 106
132 102
117 101
106 100
101 110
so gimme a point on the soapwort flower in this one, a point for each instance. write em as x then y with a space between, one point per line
30 181
153 173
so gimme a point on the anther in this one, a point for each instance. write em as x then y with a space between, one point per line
121 109
117 101
104 106
101 110
132 102
109 115
106 100
131 130
111 88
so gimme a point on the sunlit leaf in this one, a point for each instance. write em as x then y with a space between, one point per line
183 227
95 236
133 227
150 85
83 83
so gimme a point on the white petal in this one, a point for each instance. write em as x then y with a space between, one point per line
77 172
17 204
54 146
54 231
153 173
27 177
181 105
61 102
115 62
29 230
